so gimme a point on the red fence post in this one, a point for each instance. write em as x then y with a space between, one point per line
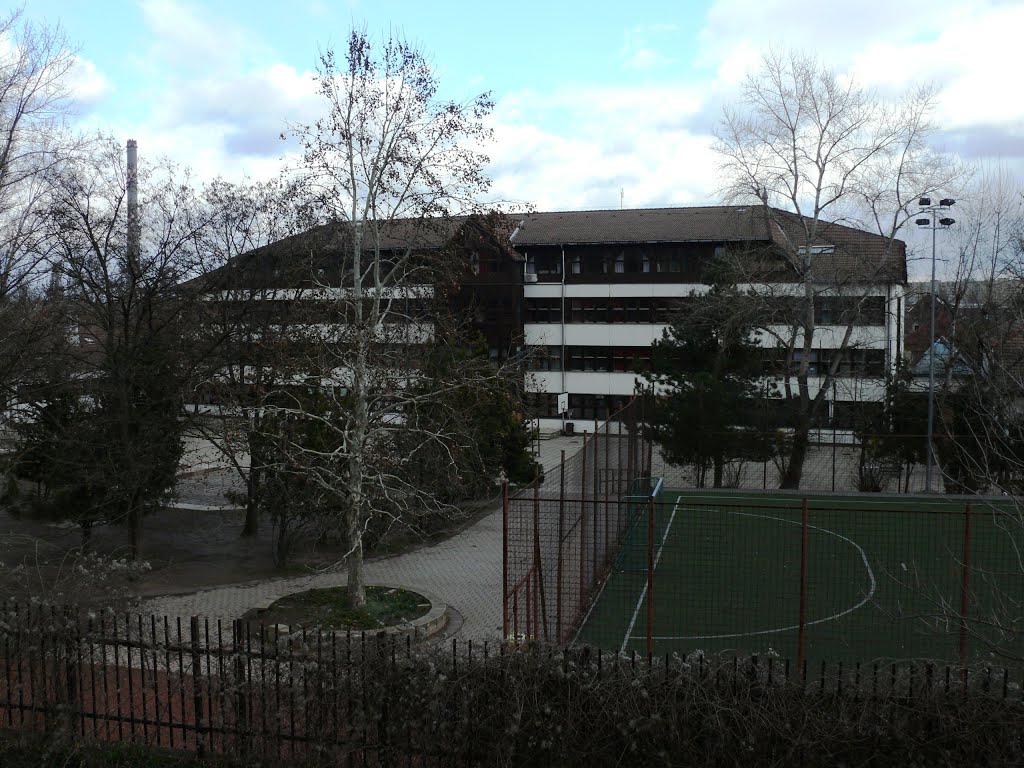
197 687
583 521
504 560
964 586
618 463
529 606
631 442
515 616
558 562
650 578
640 433
597 494
607 483
803 586
538 568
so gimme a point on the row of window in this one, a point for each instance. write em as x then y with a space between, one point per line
276 311
834 310
612 260
777 412
829 310
852 362
584 407
603 310
620 359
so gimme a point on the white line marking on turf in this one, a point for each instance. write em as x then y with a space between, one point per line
833 617
643 592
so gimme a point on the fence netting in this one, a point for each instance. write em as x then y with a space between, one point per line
562 533
594 555
847 462
790 578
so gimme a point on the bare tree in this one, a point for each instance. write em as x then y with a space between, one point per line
385 172
244 327
34 99
981 371
127 314
816 152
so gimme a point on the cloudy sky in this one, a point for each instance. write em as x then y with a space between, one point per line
594 99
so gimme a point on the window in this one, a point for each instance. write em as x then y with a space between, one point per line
542 404
588 406
544 358
849 310
587 359
633 312
662 310
616 311
544 264
631 359
543 310
812 362
588 310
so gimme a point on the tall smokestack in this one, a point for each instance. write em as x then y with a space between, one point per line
133 201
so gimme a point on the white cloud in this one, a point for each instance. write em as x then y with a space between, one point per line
967 48
220 95
640 48
190 37
579 148
212 102
87 84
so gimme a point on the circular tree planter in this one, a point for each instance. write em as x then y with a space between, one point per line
391 610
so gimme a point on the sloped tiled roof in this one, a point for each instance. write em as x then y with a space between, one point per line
643 225
856 254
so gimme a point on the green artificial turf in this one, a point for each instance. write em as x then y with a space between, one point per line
884 578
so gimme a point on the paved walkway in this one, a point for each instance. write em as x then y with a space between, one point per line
464 571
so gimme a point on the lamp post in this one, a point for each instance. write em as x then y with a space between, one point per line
931 221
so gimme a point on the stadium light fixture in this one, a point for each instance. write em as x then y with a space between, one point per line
933 223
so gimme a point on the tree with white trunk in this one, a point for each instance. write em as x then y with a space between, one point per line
815 152
387 177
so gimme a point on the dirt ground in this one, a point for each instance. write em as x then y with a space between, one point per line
186 549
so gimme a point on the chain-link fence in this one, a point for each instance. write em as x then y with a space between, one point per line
562 533
844 462
807 578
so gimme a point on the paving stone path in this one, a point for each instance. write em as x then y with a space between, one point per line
464 571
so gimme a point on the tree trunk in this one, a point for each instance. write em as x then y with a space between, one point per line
252 513
356 579
797 456
281 544
719 465
135 530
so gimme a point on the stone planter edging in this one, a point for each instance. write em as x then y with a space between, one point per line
432 622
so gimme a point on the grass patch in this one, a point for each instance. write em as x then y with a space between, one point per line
331 609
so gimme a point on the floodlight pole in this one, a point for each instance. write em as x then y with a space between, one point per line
931 375
931 211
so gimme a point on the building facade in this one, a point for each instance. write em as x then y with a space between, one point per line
601 286
580 296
